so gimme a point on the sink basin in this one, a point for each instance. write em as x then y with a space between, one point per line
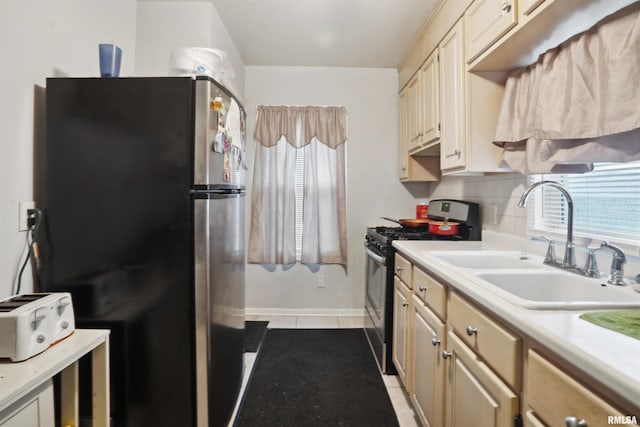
487 259
550 289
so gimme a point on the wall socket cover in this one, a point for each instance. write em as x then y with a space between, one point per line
23 218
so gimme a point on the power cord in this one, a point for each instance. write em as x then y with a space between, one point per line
34 220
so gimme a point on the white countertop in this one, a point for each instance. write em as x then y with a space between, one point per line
18 378
608 357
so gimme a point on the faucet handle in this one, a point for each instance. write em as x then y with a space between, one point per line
617 263
550 257
591 266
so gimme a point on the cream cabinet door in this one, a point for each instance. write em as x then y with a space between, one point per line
430 100
428 367
403 156
400 348
475 395
452 95
413 112
487 21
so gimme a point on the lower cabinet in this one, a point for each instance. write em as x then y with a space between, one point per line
553 397
36 409
401 324
428 334
475 395
463 367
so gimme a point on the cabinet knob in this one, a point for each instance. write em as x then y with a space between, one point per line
422 288
574 422
399 269
435 341
446 354
404 303
506 7
471 330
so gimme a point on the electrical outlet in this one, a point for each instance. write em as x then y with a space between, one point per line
320 280
23 217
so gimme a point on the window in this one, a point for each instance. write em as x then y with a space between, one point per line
606 203
298 194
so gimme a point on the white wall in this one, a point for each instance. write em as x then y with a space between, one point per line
39 39
52 38
373 188
164 26
503 190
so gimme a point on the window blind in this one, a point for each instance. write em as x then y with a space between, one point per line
285 149
606 203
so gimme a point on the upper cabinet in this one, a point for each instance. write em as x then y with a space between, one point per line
508 34
452 99
413 168
424 109
414 120
444 124
452 80
487 21
430 100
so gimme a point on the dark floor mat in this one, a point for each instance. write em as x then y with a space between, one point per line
316 377
254 332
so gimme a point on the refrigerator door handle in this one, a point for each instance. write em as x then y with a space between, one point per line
201 304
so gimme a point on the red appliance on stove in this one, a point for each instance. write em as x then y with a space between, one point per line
380 267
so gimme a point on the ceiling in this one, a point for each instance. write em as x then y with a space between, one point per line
334 33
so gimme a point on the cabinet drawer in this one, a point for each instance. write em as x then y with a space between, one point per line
497 346
403 270
432 293
487 21
553 396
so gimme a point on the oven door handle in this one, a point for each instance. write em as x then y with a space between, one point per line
379 259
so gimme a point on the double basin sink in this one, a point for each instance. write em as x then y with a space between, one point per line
530 284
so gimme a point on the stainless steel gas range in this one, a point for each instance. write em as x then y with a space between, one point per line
380 268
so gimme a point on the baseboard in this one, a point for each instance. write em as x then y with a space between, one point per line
262 311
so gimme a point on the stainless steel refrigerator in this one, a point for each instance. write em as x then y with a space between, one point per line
141 181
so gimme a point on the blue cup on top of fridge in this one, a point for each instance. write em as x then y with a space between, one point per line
110 57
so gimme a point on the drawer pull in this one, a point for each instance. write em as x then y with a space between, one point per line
574 422
422 288
446 354
471 331
399 269
506 7
435 341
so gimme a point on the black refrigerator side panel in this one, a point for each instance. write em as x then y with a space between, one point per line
118 232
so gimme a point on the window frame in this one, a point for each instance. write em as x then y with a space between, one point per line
585 236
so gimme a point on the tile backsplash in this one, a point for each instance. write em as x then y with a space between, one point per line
502 190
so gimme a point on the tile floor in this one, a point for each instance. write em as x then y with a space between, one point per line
399 399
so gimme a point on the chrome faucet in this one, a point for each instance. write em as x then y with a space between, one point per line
569 260
617 264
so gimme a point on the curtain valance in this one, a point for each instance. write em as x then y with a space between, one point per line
327 124
578 104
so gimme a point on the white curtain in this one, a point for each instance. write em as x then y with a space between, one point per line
578 104
284 135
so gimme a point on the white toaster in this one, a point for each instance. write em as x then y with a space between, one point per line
30 323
